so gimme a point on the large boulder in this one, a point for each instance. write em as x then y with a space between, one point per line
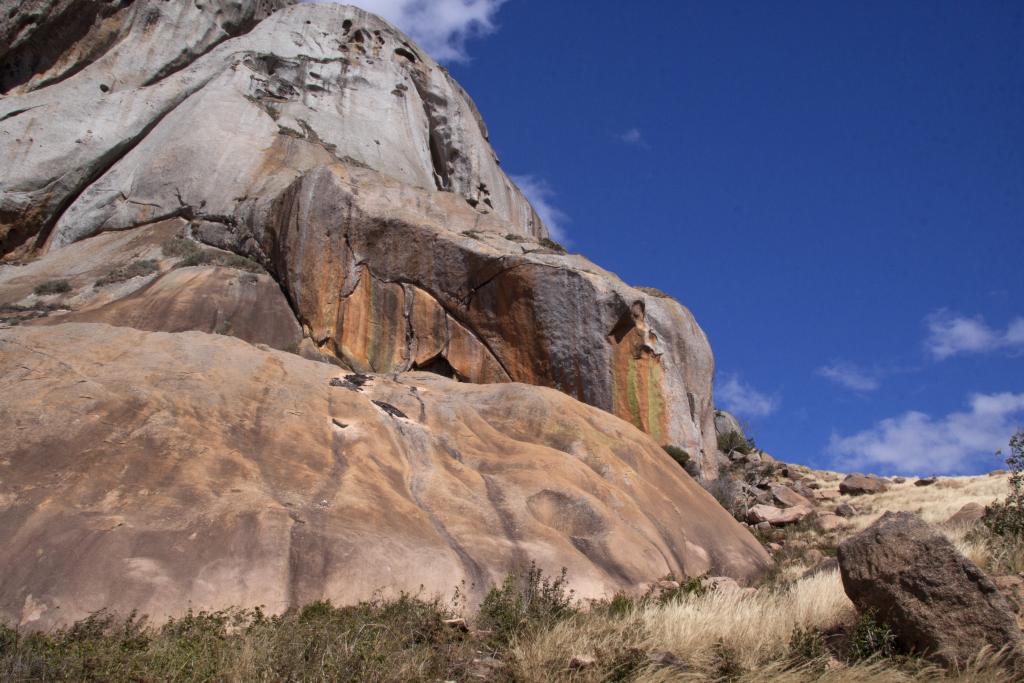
859 485
322 143
935 600
162 472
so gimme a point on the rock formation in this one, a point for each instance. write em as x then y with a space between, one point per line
303 178
206 113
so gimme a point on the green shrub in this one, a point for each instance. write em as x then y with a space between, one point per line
678 454
871 639
806 645
52 287
179 247
734 441
1005 518
133 269
549 243
191 254
511 237
525 601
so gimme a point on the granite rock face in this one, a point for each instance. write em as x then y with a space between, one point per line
319 141
192 189
235 475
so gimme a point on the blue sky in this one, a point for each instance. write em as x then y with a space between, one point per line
836 190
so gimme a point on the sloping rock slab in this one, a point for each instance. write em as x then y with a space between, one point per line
936 601
159 472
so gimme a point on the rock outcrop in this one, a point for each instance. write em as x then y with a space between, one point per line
322 143
202 203
936 601
207 472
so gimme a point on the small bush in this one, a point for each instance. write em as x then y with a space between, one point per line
806 645
733 441
549 243
179 247
1005 518
192 254
133 269
871 639
511 237
693 586
525 601
198 258
52 287
678 454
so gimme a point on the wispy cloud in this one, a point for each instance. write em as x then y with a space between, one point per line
950 334
634 136
916 443
849 375
540 194
744 400
441 27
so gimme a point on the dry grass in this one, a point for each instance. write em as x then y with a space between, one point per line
935 504
719 636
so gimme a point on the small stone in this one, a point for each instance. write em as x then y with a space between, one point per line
846 510
825 522
459 624
927 481
580 662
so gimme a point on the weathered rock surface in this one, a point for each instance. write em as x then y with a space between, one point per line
158 471
935 600
859 485
322 143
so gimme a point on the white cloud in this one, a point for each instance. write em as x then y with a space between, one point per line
744 400
915 443
633 136
441 27
540 193
950 334
850 376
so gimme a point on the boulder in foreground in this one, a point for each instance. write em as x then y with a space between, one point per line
935 600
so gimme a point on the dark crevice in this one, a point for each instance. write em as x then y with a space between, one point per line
16 112
438 365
